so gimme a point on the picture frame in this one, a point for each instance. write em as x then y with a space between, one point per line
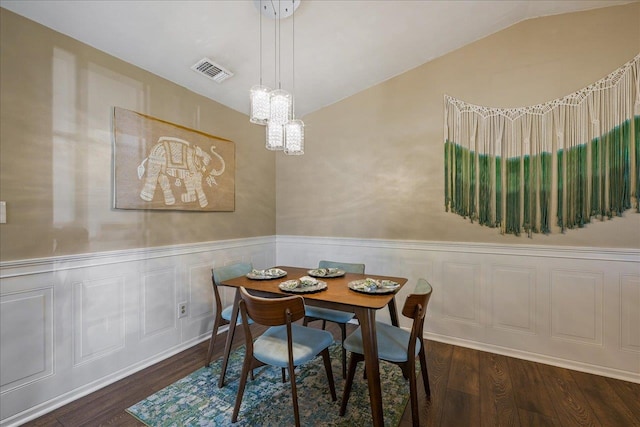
160 165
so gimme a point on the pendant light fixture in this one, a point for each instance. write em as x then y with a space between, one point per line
260 95
293 129
274 108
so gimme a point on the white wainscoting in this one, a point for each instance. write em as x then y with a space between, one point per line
71 325
577 308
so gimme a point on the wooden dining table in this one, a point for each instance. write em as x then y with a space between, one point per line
337 296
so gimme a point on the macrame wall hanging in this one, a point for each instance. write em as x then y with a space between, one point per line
568 160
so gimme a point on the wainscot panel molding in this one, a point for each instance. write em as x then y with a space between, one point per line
71 325
74 324
574 307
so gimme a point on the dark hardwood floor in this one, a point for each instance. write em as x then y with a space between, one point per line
468 388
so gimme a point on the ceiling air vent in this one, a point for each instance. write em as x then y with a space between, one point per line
211 70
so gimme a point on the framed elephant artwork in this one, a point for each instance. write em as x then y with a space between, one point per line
160 165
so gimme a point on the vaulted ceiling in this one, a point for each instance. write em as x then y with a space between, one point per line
341 47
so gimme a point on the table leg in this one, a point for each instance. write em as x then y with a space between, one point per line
393 312
367 318
230 333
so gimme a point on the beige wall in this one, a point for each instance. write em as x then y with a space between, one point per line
55 151
373 163
373 166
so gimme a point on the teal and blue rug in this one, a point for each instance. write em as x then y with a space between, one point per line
196 399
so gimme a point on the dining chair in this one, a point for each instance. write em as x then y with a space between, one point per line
397 346
223 317
341 318
284 344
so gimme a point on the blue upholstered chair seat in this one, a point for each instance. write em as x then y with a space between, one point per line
271 347
226 315
328 314
392 342
284 344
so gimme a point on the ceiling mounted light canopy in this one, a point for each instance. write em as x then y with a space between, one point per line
275 109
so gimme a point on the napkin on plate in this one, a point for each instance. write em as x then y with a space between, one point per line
370 285
269 272
306 281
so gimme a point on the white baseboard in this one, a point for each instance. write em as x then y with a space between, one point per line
538 358
66 398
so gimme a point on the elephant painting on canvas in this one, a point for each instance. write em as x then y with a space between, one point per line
175 161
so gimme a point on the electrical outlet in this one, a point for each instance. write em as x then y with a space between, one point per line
182 309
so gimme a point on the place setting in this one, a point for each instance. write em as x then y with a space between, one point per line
374 286
303 285
326 272
266 274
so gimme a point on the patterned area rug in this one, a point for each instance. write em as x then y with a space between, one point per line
196 399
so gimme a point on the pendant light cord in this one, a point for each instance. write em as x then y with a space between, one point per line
293 61
279 48
275 50
261 44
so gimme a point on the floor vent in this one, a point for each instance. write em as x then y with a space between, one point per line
211 70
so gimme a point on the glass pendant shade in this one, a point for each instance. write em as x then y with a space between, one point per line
275 136
294 137
260 97
280 108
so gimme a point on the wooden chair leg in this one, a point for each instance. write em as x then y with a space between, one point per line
327 367
246 367
294 395
413 394
214 334
353 363
425 372
343 327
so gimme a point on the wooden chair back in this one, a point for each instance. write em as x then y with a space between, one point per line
220 274
273 311
415 307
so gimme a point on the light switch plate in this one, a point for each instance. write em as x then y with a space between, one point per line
3 212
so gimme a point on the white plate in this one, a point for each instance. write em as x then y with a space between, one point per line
373 286
268 274
295 286
326 272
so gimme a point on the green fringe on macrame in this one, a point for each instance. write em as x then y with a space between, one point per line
460 180
498 200
512 220
447 160
528 214
472 187
602 188
458 201
618 143
560 215
484 202
636 127
579 215
545 192
597 178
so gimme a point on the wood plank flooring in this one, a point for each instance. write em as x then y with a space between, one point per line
468 388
